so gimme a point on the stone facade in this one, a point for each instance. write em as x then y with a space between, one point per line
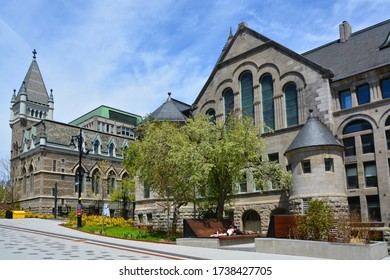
329 82
43 158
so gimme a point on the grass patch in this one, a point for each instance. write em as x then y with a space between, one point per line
122 232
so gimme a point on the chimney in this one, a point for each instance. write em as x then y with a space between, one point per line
345 31
242 25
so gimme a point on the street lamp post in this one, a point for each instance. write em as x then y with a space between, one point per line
79 139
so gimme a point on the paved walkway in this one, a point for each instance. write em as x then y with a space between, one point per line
79 245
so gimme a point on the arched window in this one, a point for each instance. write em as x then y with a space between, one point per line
228 97
387 131
96 181
96 147
77 181
267 95
357 125
31 173
24 180
111 150
247 95
111 182
211 113
366 135
291 99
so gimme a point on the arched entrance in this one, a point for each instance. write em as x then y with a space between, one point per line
251 221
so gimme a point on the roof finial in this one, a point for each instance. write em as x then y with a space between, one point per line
230 33
34 53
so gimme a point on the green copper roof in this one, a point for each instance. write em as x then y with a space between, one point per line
109 113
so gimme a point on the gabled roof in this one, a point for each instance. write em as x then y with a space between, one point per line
171 110
313 133
228 55
35 87
363 51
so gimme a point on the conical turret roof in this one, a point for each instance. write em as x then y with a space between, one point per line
171 110
35 87
313 133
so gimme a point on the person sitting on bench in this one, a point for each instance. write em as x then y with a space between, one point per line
229 232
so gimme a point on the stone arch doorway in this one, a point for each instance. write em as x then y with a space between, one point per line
251 221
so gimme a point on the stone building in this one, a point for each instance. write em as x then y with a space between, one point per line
42 157
325 114
346 84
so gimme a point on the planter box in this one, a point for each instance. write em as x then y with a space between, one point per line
216 242
317 249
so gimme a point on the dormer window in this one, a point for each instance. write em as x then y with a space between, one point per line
386 43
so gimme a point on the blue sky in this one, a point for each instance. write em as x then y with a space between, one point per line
129 54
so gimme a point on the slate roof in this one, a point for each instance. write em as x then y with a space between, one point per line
358 54
313 133
171 110
35 87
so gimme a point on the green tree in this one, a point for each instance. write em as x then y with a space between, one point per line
125 193
272 175
7 188
199 158
160 160
230 148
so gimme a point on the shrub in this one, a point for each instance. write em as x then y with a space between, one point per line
318 222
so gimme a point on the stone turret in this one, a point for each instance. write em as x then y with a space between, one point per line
316 159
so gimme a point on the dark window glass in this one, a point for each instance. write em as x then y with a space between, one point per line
387 122
329 166
243 184
363 94
291 99
267 94
370 174
388 139
368 143
273 157
350 148
354 207
96 145
146 191
306 168
373 207
211 113
385 85
77 182
111 149
247 95
358 125
229 101
352 176
345 99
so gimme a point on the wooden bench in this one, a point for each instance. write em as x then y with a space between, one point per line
197 233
